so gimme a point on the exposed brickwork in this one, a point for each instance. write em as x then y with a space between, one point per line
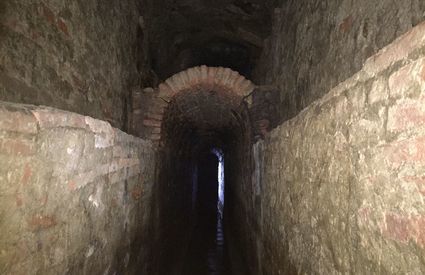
39 222
208 78
402 229
147 122
73 189
316 44
340 187
80 56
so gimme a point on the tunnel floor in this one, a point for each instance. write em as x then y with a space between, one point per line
207 252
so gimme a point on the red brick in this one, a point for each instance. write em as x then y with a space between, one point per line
346 24
419 227
156 130
205 78
48 14
397 228
72 185
152 123
17 147
62 26
44 199
364 214
262 126
410 151
99 126
154 116
35 35
18 121
27 174
78 82
41 222
19 200
406 115
402 81
402 228
137 193
155 137
52 118
137 112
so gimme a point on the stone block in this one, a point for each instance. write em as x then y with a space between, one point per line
17 120
407 114
53 118
17 147
379 91
402 81
152 123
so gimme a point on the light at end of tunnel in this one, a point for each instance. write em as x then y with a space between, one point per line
220 156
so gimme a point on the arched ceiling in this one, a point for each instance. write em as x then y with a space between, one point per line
187 33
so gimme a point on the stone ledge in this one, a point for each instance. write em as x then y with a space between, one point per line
379 64
29 119
398 50
17 119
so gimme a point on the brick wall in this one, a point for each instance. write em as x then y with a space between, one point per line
150 105
340 187
317 44
75 194
81 56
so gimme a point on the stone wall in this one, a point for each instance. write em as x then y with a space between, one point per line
83 56
75 194
340 187
317 44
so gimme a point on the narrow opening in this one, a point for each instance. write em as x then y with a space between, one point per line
220 202
203 131
206 249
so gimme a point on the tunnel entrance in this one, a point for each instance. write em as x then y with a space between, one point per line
203 129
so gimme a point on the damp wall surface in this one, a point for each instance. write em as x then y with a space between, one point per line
75 194
339 188
80 56
314 45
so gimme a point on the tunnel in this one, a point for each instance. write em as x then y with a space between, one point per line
200 127
227 137
205 135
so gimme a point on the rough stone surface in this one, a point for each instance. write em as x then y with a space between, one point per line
75 194
315 45
188 33
340 187
81 56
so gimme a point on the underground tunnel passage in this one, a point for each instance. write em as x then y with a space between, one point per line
205 136
192 137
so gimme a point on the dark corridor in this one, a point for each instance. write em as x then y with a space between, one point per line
207 251
192 222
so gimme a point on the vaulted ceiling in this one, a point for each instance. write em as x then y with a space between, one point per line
186 33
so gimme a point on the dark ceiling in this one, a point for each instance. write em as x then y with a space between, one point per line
186 33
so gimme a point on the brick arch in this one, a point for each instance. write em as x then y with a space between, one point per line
203 77
217 79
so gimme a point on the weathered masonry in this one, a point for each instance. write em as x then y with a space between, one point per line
229 137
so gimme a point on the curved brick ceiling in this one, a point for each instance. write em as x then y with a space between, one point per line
207 101
205 107
227 33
